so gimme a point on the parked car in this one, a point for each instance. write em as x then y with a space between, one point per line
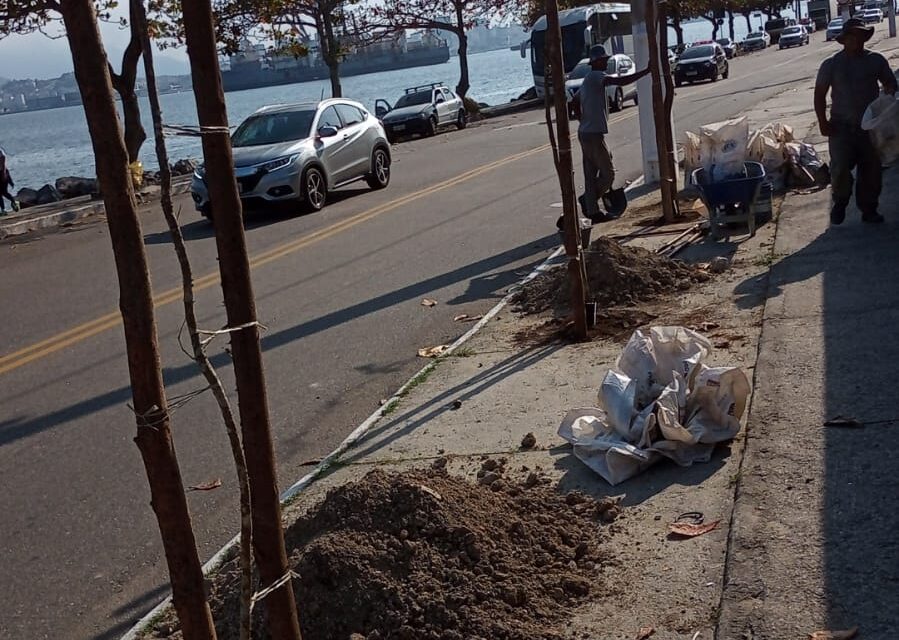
619 65
422 110
795 36
300 152
756 40
729 46
834 28
872 15
704 62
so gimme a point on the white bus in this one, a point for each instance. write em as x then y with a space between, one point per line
607 23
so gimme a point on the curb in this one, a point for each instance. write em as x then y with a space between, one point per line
27 223
511 107
359 432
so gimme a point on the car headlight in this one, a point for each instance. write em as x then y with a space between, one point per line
274 165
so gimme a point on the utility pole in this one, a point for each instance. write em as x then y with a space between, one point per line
565 169
154 434
891 18
240 306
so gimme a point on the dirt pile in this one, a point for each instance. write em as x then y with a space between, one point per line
617 276
429 556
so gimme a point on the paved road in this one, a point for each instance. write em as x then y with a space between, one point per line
466 215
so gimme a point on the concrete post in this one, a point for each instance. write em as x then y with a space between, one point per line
651 173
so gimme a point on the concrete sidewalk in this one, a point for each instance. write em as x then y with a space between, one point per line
814 534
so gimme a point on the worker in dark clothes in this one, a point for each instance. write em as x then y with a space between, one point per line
852 77
592 104
5 183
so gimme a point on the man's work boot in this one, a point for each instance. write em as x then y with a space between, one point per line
870 215
838 213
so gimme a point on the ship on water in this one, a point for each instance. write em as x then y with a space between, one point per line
255 66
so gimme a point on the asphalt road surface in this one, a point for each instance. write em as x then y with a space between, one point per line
467 214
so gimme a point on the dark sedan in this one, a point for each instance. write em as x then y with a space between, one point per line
702 62
794 36
729 46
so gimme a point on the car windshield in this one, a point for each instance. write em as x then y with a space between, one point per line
792 31
755 36
704 51
723 41
580 72
272 128
835 24
775 24
414 98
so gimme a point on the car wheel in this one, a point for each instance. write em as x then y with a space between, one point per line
714 77
726 71
431 128
379 177
636 99
315 189
461 119
618 101
678 82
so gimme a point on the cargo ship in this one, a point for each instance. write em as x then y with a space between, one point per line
254 66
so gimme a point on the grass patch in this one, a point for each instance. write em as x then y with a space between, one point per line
464 352
769 259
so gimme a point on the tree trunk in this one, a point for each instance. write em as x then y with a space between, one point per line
134 129
666 182
240 306
139 18
730 25
463 86
330 51
565 172
748 22
154 438
678 29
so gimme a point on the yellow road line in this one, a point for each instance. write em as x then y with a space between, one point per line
110 320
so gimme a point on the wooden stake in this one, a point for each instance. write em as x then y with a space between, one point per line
565 171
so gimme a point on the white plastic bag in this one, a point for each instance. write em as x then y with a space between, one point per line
692 153
723 146
881 121
661 400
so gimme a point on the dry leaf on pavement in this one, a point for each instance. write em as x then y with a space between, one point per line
690 530
834 635
433 352
428 302
206 486
644 633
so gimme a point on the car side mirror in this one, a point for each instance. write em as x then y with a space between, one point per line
327 132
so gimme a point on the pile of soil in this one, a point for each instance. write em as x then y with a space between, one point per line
428 556
617 276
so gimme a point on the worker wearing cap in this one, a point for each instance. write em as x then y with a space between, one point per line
593 105
852 77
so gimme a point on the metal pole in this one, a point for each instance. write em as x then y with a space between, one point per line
891 18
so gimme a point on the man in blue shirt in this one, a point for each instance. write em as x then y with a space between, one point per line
593 105
852 77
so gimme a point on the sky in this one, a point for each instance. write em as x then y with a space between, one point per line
37 56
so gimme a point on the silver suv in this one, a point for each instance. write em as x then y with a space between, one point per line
293 152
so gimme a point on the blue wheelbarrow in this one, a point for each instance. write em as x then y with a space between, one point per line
732 200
